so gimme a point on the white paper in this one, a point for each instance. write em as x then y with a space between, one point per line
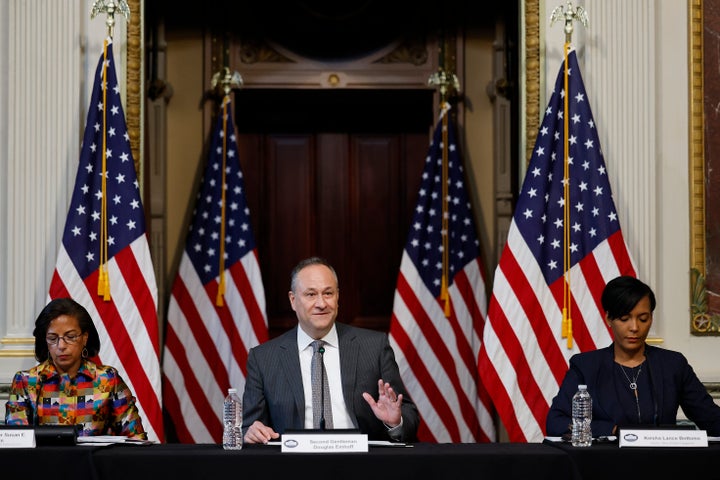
372 443
610 438
386 443
102 439
111 440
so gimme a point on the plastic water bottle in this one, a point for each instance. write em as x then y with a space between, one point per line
232 421
581 418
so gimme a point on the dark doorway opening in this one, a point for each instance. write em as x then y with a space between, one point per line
346 110
335 174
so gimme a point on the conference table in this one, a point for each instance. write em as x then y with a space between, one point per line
607 461
420 461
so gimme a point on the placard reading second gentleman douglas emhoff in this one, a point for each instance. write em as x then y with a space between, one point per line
323 442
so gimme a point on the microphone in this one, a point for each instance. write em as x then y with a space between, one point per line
321 350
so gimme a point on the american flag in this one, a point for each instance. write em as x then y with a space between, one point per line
440 302
104 261
526 348
209 333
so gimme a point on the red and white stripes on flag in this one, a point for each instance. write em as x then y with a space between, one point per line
563 246
217 308
104 260
440 303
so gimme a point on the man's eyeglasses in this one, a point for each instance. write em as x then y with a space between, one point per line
70 338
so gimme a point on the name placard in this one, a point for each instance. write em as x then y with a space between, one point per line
663 438
323 442
17 438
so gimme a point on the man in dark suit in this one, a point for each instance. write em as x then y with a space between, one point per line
278 394
632 383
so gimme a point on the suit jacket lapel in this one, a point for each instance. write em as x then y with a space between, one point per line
656 381
606 383
348 367
290 362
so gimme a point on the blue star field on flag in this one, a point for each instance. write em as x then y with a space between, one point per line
203 241
539 213
125 216
425 245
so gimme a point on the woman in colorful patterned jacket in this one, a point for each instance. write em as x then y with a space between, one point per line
67 387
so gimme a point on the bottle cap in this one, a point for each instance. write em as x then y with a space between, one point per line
582 387
232 390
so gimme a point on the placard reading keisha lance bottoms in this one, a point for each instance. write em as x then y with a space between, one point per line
663 438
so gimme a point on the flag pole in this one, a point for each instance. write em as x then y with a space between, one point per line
224 81
105 238
569 15
109 7
446 83
441 288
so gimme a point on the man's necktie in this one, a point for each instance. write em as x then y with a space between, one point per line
320 389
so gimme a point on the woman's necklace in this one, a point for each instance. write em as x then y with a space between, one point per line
633 386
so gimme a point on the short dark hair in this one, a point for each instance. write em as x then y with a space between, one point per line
71 308
306 263
621 294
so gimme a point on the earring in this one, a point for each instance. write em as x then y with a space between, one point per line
85 352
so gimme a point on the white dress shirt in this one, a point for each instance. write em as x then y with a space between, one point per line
331 358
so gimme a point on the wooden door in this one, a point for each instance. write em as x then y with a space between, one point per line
338 183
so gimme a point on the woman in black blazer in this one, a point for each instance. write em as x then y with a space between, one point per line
632 383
